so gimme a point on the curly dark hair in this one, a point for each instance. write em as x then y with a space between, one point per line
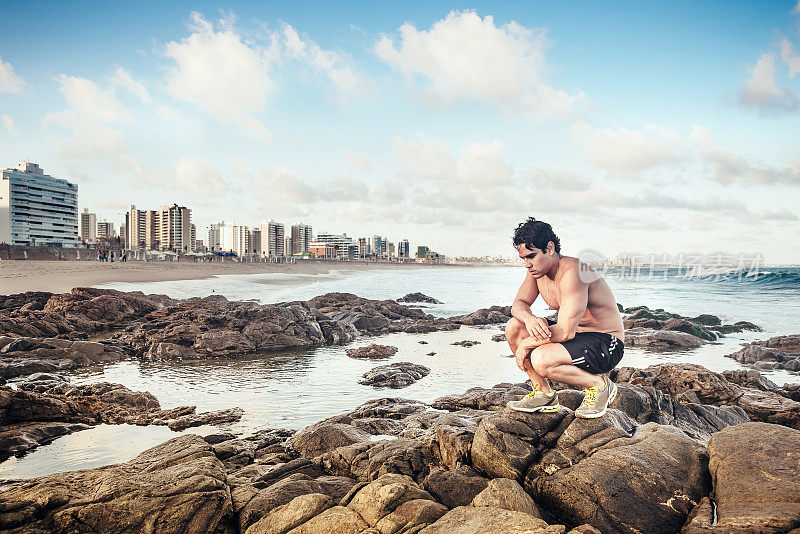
536 234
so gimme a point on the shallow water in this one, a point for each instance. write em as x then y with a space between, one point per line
293 389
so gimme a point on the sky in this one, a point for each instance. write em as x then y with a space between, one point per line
633 128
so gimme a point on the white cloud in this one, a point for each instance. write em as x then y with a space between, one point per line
91 109
780 215
726 166
622 150
8 122
123 79
199 177
466 57
761 92
334 65
10 82
359 162
220 73
479 164
790 58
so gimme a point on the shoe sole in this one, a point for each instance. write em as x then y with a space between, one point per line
543 409
603 412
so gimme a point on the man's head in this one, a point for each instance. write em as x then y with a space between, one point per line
537 245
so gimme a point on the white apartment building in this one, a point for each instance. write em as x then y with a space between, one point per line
233 238
168 228
213 243
36 208
88 226
175 228
272 234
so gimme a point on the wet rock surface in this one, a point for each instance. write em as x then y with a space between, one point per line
466 343
419 297
372 352
662 331
395 376
178 486
696 384
40 410
781 352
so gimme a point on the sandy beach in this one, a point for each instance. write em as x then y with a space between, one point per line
62 276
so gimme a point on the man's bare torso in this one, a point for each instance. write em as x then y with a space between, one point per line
602 314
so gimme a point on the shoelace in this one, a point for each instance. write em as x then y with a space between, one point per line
591 396
533 393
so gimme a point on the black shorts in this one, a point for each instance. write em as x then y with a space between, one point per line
594 352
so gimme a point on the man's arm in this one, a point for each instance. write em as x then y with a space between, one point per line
574 299
521 309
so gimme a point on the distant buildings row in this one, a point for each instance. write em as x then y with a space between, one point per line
38 209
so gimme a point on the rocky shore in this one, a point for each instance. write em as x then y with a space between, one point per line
658 461
681 449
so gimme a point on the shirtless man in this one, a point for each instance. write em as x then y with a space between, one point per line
585 343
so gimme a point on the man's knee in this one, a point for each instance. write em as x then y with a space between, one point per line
513 327
542 360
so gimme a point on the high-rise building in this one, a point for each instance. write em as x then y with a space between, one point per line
142 228
272 239
234 239
403 249
363 247
255 241
287 245
88 226
193 238
168 228
390 251
174 228
377 246
123 234
36 208
301 237
213 242
106 230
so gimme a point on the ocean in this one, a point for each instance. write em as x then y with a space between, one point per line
293 389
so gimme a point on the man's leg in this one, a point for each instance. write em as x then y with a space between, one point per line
515 333
554 362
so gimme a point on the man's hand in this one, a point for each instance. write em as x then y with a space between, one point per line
524 350
537 328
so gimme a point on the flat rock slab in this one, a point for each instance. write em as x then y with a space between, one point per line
372 351
756 486
468 520
395 376
661 340
178 486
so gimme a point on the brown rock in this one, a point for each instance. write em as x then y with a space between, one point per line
506 494
178 486
754 467
468 520
293 514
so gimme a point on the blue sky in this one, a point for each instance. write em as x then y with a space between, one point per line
634 128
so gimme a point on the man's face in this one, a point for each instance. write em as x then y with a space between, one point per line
536 261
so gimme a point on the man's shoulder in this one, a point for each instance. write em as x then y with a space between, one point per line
573 269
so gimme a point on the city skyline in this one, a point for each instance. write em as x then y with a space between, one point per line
664 129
